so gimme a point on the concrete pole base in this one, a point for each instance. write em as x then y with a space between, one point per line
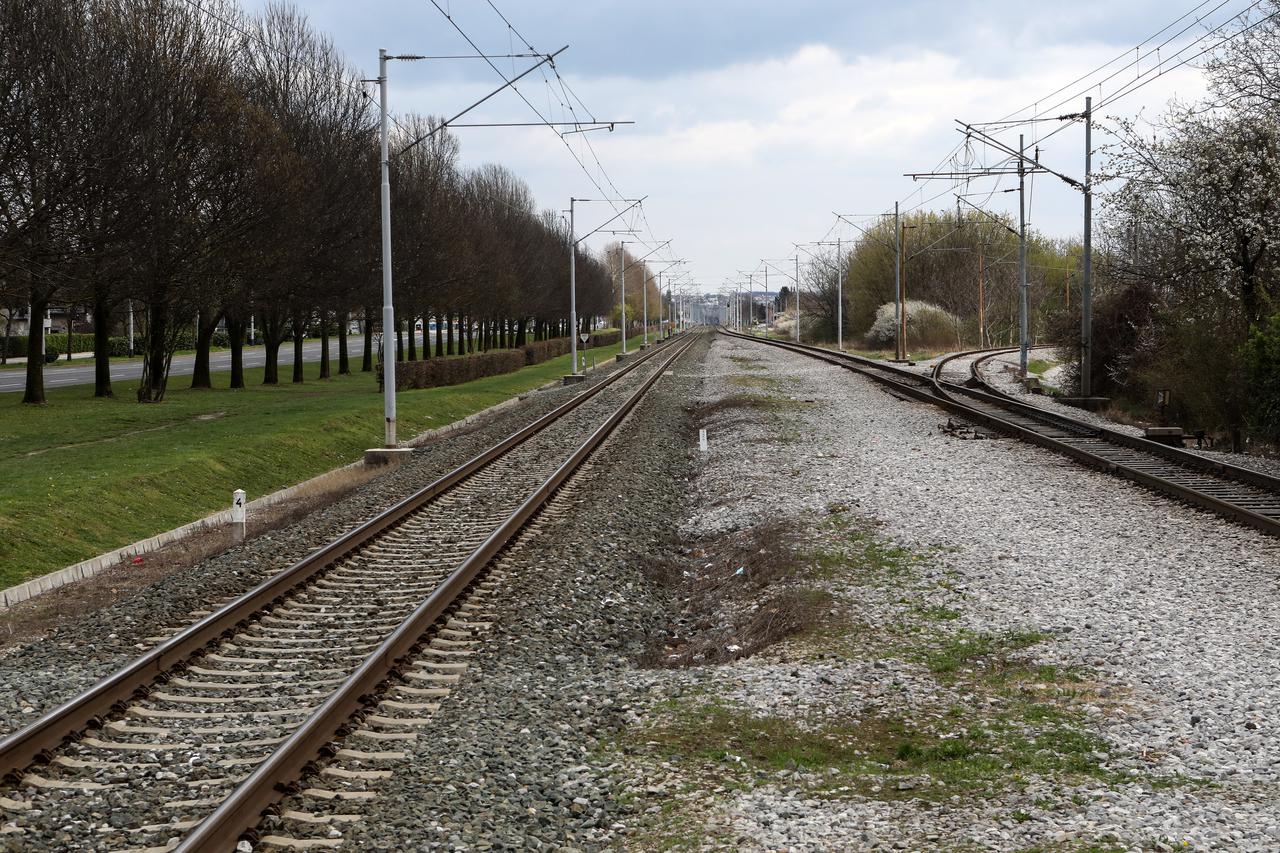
623 356
375 456
574 378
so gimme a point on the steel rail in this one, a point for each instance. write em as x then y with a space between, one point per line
928 389
242 810
36 741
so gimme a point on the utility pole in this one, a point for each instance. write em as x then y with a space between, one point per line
897 279
839 299
982 303
797 296
902 292
622 274
388 310
1086 287
573 292
644 291
1022 258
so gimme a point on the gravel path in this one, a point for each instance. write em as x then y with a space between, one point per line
1171 611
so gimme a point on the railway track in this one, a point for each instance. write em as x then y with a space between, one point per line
1240 494
187 747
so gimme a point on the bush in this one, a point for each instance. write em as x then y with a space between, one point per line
436 372
454 370
927 326
1262 370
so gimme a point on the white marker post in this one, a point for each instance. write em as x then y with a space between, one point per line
237 515
702 440
584 337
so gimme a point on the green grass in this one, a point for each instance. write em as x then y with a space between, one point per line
870 752
1039 365
969 648
82 475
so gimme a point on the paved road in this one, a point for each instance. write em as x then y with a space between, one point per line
82 374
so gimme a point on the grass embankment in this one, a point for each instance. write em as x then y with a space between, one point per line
82 475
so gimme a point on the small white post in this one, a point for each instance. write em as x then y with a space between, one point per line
702 440
237 515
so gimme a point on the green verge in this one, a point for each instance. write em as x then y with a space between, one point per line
82 475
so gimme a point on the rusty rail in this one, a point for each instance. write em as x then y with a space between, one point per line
242 810
931 389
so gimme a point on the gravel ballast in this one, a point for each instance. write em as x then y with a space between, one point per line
1137 632
1170 611
85 650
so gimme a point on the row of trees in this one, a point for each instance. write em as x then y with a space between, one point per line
1190 260
966 266
204 166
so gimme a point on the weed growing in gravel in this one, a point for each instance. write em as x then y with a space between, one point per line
747 363
763 382
880 756
972 648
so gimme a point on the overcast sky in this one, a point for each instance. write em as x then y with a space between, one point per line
755 120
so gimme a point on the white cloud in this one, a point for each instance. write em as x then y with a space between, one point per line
741 160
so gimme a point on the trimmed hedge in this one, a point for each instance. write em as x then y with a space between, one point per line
436 372
118 347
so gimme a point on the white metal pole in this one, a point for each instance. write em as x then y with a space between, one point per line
897 284
644 291
1086 287
130 328
573 292
1022 260
388 311
797 297
622 273
839 298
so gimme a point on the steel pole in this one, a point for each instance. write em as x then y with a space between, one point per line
897 282
797 297
622 274
1022 259
573 292
644 301
1086 288
388 310
839 299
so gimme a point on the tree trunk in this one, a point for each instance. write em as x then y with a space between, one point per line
235 331
399 340
440 321
271 370
448 319
344 360
34 392
155 359
413 339
8 330
205 327
299 335
71 312
366 366
101 346
324 344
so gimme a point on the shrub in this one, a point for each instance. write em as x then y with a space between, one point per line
927 326
436 372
